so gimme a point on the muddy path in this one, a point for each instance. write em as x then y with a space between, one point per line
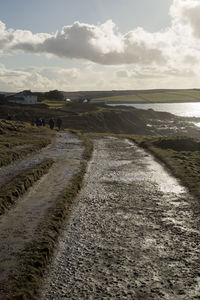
17 226
131 233
7 173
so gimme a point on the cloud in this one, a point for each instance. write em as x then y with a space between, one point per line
12 80
184 10
48 78
185 16
95 77
191 12
104 44
133 57
122 74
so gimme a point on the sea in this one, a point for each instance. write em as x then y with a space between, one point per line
191 109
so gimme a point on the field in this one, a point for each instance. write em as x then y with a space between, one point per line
165 96
53 103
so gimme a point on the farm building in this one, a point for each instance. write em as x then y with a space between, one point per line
25 97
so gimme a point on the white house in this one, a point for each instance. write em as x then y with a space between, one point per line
25 97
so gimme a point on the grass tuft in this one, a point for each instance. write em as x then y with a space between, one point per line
18 139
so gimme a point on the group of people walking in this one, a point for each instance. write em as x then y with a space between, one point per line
52 122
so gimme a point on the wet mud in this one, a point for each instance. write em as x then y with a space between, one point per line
52 151
131 234
18 226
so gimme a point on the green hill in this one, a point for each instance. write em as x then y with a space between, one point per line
152 96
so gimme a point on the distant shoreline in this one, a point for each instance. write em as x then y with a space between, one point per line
164 102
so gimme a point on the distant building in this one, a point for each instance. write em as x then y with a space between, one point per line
25 97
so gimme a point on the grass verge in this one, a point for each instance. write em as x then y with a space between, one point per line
10 193
38 254
17 139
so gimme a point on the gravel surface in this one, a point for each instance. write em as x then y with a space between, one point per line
131 233
18 226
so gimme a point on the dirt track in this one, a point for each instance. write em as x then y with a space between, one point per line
131 234
17 227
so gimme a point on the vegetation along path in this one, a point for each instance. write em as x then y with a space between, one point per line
131 233
18 225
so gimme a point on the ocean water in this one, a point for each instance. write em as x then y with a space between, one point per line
179 109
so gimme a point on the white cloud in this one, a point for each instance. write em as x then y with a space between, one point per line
48 78
104 44
101 44
191 12
131 57
94 77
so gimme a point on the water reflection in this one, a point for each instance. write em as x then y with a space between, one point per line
181 109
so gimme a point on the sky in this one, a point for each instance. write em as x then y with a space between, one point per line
99 44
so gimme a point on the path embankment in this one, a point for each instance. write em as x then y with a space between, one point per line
19 139
11 191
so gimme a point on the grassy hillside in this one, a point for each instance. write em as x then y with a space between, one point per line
53 103
94 118
99 118
120 96
18 139
154 96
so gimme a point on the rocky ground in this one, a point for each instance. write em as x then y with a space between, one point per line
131 234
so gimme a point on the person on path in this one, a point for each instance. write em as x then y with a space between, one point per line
33 121
43 121
9 117
38 122
51 123
59 123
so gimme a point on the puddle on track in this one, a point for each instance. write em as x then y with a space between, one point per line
131 233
